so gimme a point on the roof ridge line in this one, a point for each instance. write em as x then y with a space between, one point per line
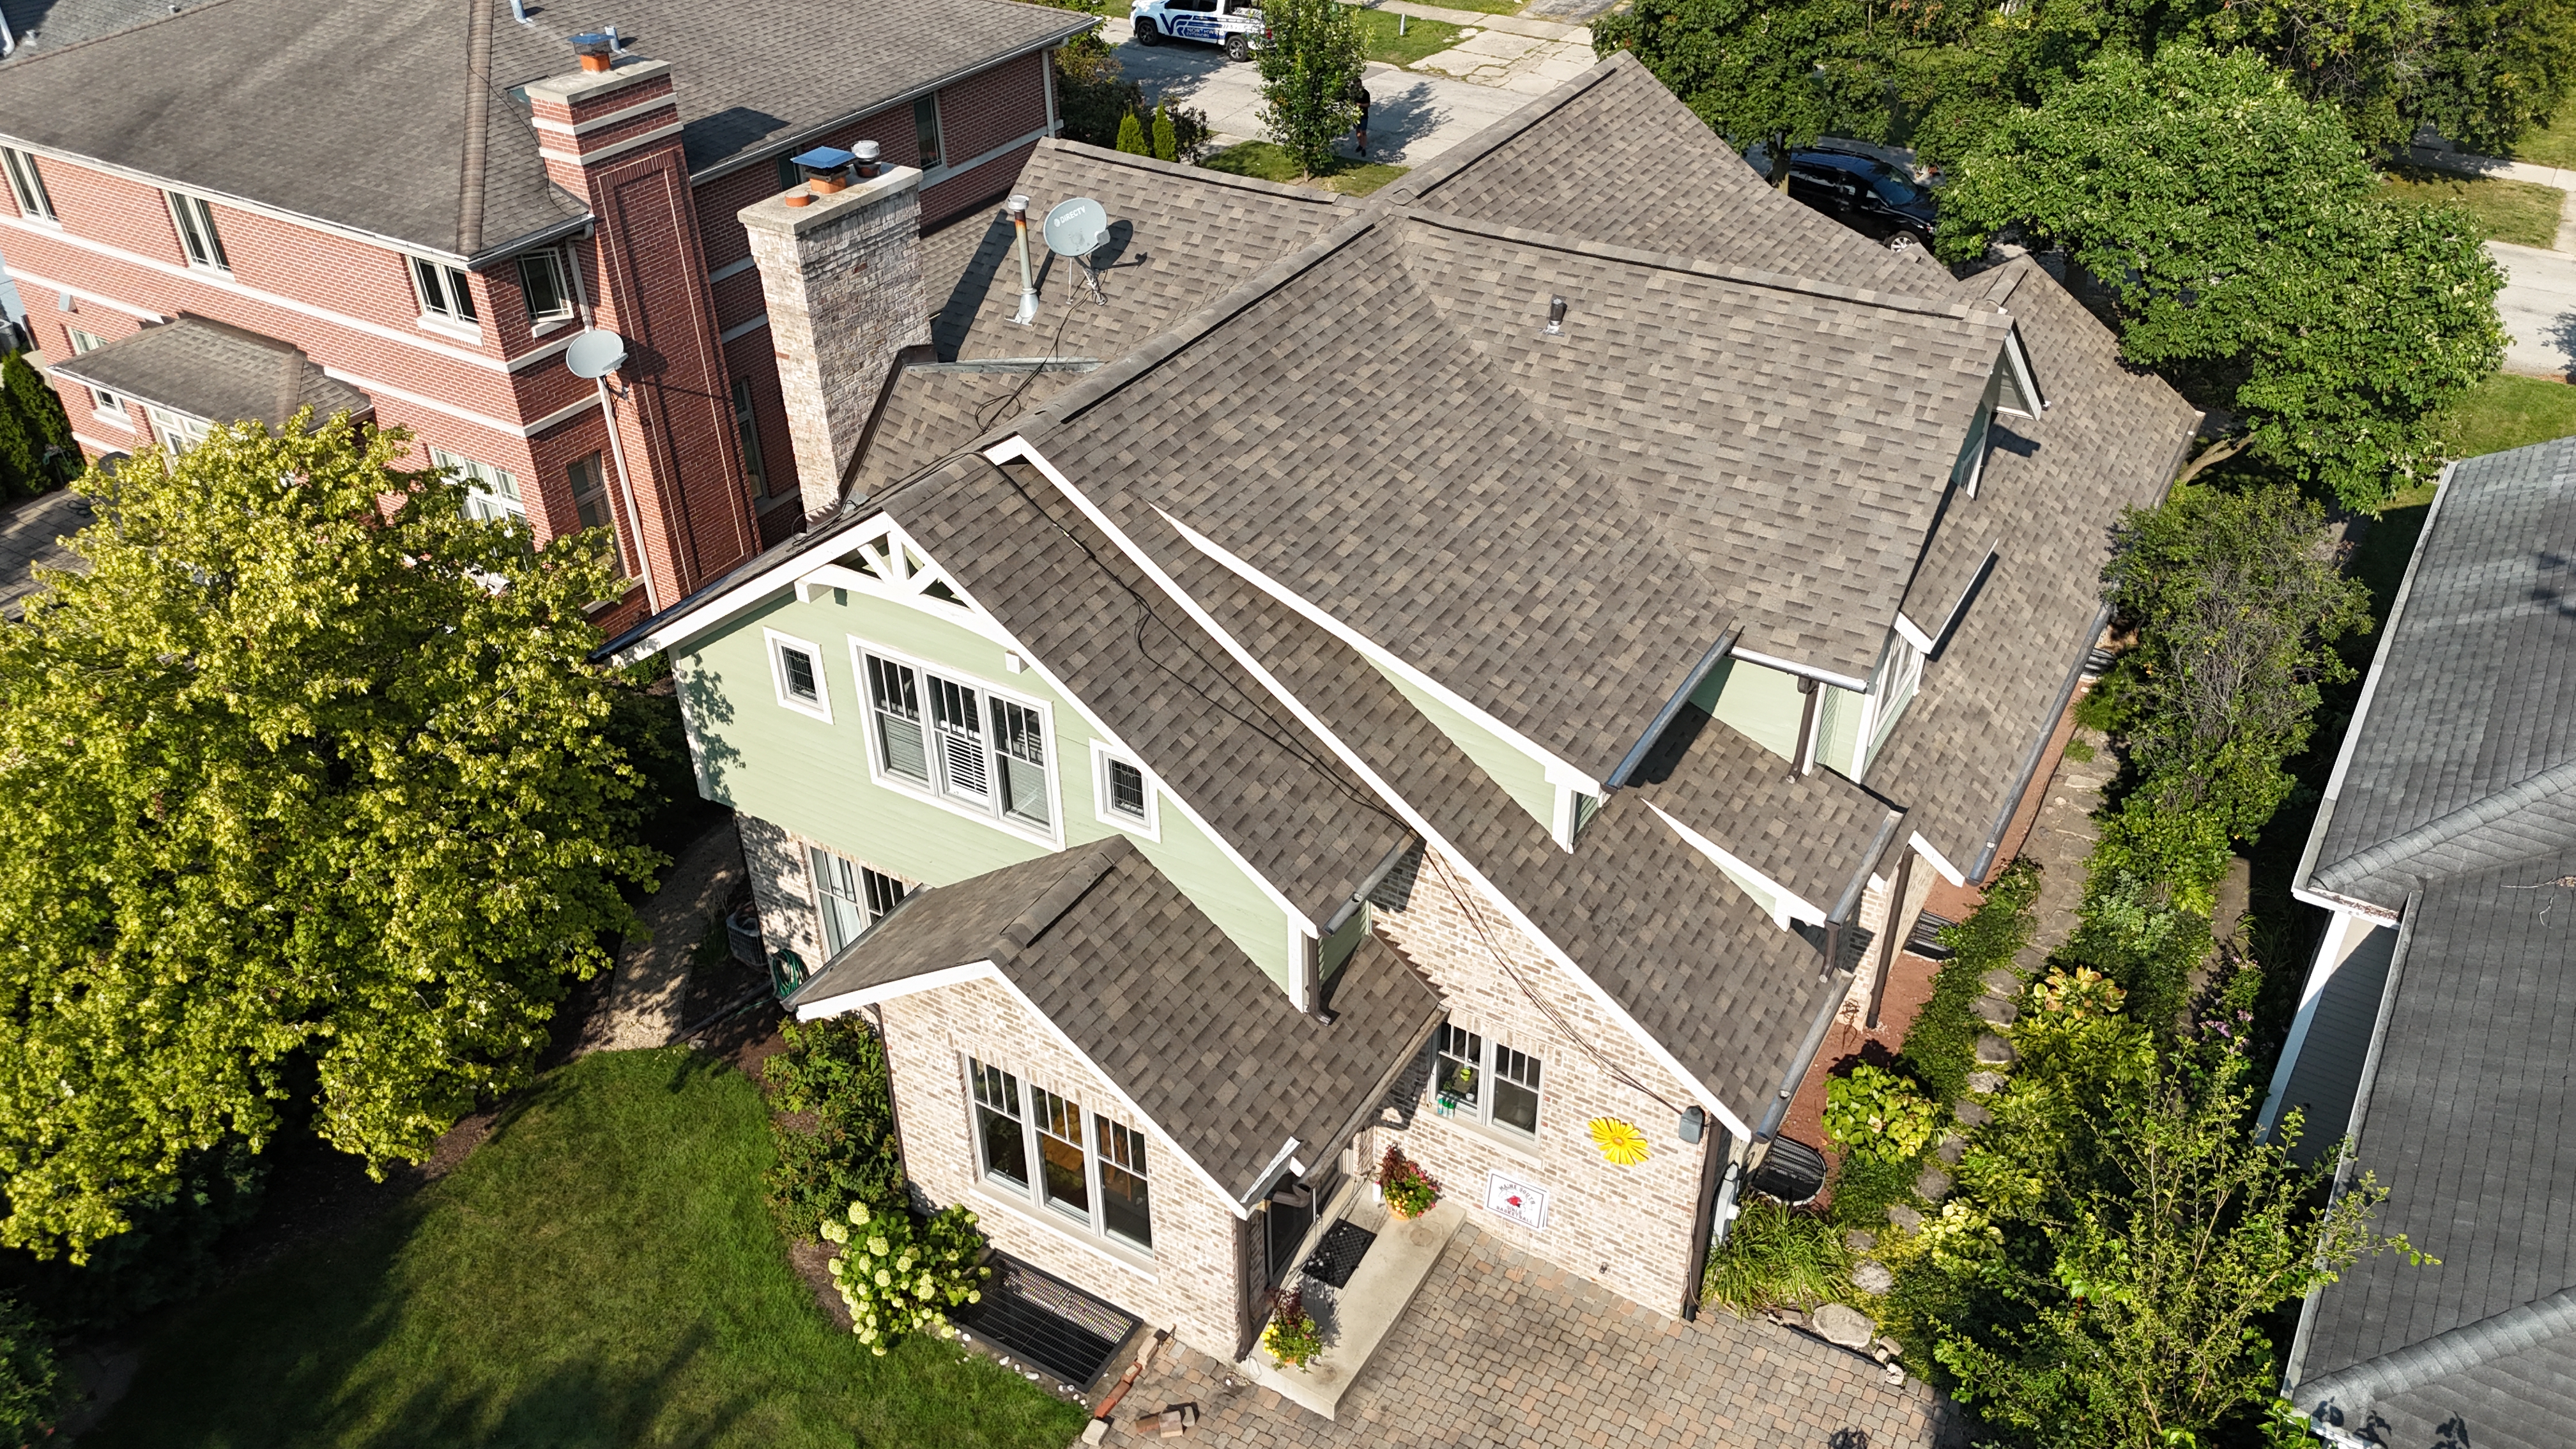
478 113
2450 825
1676 262
2453 1350
1084 868
1496 134
1202 175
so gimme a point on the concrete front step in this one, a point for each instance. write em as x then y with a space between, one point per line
1394 1267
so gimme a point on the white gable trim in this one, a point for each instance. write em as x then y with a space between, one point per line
1940 862
987 970
1791 907
1019 448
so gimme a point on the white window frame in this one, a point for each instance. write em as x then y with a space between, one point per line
446 299
27 186
1892 686
1150 824
190 215
492 495
820 707
1490 1064
936 792
1096 1128
869 882
550 259
175 431
107 407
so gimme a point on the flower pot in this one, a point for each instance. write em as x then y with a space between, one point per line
798 198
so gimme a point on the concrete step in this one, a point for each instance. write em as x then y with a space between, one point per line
1362 1312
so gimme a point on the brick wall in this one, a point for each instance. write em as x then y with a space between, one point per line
1626 1228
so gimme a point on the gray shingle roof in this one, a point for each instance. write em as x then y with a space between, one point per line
214 371
2466 754
355 112
1158 997
1816 834
2507 1382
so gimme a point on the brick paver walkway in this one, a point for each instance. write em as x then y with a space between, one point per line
1505 1350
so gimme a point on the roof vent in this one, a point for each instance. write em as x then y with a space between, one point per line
1555 316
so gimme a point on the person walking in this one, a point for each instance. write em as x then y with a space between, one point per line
1358 95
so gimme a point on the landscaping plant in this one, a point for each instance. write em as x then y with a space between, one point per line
308 798
899 1276
833 1123
1776 1257
1876 1113
1409 1191
1292 1337
29 1381
1309 62
1941 1046
36 412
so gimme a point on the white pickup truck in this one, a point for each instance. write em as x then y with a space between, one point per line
1233 24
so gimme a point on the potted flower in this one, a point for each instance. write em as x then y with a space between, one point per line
1409 1191
1292 1338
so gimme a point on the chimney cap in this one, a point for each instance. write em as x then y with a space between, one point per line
591 42
824 158
868 151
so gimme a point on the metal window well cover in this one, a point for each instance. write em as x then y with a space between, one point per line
1047 1321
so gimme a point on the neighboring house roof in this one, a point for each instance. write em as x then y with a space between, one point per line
1155 995
2464 749
2448 808
358 112
216 372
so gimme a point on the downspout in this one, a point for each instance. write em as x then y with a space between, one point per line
1806 1056
1887 937
1716 1172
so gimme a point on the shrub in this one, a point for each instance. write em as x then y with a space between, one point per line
1292 1337
1167 136
40 414
1865 1187
29 1381
900 1276
1941 1045
833 1071
168 1254
1094 101
1876 1113
1131 135
1776 1257
1309 64
1410 1192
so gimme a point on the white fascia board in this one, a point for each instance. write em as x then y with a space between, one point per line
2019 361
1803 671
1792 906
988 970
1018 448
1940 862
37 283
1913 633
1559 771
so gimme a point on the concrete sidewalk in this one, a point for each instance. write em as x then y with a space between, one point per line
2538 304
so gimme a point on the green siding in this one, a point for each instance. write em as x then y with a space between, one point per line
811 778
1762 704
1506 764
1838 733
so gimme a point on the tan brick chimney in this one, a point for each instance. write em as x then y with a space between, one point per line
842 277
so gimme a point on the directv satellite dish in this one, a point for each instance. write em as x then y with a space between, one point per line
595 353
1076 228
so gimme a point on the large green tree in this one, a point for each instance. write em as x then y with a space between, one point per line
2249 256
1310 60
308 799
1776 76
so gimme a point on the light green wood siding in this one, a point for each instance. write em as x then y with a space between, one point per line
1761 703
1506 764
1838 732
811 778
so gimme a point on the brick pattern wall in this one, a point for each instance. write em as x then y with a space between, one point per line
1625 1228
1193 1283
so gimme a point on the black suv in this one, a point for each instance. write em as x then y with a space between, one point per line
1865 194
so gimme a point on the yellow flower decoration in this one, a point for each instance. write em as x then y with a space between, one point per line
1619 1141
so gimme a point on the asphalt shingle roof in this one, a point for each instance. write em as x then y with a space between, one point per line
1161 1000
356 112
214 371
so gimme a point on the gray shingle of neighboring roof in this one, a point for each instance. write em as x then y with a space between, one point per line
214 371
1204 727
354 112
1161 1000
2470 1118
2051 489
2464 754
2506 1382
45 25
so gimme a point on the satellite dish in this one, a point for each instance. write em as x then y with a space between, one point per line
1076 228
595 353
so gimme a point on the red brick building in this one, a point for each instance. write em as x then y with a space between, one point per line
222 211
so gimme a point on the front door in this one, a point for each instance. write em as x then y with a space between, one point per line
1292 1212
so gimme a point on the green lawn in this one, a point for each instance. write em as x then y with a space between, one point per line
2507 412
2524 213
1265 162
1420 37
1489 7
600 1272
2553 144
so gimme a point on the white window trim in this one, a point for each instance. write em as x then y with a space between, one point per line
541 323
821 706
445 323
100 399
1151 827
1052 835
1087 1230
205 218
1482 1123
40 207
176 431
117 418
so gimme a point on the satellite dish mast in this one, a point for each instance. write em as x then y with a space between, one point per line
595 354
1074 230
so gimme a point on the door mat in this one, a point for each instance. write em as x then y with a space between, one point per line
1339 1254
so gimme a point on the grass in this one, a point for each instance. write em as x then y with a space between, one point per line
2506 411
2553 144
2524 213
1264 161
1489 7
601 1271
1420 38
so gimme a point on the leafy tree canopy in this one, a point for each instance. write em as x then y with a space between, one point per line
308 799
1309 64
2248 253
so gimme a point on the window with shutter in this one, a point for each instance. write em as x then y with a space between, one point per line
896 694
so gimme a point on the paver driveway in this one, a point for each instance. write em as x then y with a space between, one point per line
1505 1350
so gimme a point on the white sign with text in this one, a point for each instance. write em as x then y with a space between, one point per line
1521 1201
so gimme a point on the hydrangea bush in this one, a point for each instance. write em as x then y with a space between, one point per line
899 1277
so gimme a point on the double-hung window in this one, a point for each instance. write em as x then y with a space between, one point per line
27 184
443 293
1485 1081
850 897
491 494
796 668
1087 1169
965 744
197 235
1900 674
106 404
175 431
541 282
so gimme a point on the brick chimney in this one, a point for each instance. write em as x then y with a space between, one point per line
842 278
